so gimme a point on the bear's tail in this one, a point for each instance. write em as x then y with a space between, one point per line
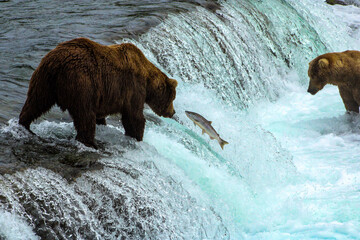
40 98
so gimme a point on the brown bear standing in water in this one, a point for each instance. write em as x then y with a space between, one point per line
92 81
341 69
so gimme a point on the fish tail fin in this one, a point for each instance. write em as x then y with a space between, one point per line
222 143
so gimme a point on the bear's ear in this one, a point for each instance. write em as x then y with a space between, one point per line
172 82
339 63
323 63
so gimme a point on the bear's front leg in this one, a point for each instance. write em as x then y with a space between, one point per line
85 125
101 121
349 101
134 124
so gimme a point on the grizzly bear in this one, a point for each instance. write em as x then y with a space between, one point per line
92 81
341 69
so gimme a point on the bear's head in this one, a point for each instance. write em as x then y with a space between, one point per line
324 69
160 95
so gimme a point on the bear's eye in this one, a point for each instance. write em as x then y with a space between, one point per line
161 87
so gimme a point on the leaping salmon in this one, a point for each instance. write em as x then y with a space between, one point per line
206 127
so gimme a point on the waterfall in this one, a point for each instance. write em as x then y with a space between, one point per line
177 184
240 51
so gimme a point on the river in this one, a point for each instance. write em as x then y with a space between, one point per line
290 170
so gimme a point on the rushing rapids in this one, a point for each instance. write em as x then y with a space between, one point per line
290 170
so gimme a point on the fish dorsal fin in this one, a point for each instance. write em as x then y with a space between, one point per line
210 122
203 131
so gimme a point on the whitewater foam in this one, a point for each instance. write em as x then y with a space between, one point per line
290 170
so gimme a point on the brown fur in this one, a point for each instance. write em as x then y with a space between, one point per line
92 81
341 69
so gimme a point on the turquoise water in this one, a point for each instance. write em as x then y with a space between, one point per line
324 201
290 171
291 168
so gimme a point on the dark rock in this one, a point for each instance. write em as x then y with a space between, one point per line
60 157
339 2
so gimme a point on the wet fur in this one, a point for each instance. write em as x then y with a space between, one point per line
92 81
341 69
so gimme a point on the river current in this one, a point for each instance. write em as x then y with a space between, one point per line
290 170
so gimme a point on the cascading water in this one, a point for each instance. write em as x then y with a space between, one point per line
289 172
240 40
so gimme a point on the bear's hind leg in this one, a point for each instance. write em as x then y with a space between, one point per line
85 125
34 107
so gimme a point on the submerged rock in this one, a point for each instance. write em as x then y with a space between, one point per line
33 152
333 2
344 2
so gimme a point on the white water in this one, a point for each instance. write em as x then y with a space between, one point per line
291 170
324 202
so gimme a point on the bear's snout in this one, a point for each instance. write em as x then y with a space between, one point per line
312 91
169 114
169 111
